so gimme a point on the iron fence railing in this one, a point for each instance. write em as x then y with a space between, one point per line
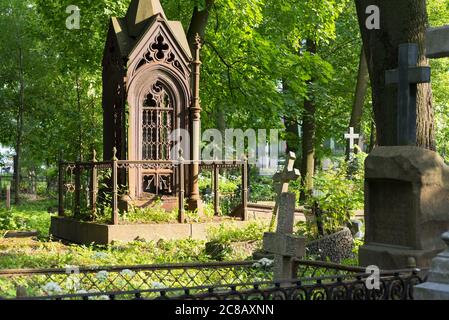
198 279
396 285
125 278
86 187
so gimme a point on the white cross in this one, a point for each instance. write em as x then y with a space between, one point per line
352 137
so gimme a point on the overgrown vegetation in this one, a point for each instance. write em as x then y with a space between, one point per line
227 233
27 216
339 191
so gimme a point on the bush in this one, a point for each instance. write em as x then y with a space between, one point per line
337 194
228 232
153 214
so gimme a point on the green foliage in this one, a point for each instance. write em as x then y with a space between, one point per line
338 194
229 232
153 214
27 217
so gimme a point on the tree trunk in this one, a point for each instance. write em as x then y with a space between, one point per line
402 21
19 134
359 98
292 130
198 23
308 137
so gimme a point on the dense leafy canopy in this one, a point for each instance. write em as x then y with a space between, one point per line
251 48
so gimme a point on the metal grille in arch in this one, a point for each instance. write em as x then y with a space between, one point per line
157 125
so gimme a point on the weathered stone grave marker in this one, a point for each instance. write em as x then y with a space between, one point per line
283 180
283 244
406 187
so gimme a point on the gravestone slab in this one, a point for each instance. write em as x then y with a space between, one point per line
406 207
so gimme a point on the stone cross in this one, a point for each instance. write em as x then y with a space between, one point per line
283 178
437 42
282 243
407 77
351 136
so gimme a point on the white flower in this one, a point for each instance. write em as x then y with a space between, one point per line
52 288
266 262
72 282
104 298
100 256
102 276
257 265
157 285
81 292
128 273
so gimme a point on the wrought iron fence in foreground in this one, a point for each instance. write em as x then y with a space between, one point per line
224 280
393 286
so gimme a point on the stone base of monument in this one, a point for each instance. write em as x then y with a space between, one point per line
437 285
87 232
406 207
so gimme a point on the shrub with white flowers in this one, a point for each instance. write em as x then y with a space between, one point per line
100 256
263 263
157 285
52 288
102 276
128 273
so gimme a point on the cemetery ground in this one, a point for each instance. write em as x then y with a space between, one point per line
44 252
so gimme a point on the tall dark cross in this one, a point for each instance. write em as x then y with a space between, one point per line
407 77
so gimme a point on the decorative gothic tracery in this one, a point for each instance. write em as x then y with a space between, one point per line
160 51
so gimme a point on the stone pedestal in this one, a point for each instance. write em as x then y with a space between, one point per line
406 207
437 285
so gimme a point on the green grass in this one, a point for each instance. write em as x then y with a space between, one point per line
48 254
45 253
27 216
229 232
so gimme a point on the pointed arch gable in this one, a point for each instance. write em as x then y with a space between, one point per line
158 45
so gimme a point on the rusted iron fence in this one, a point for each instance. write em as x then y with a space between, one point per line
28 185
89 188
250 280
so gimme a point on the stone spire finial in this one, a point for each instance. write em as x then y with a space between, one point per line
140 11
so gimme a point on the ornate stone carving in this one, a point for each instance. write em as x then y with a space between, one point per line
160 51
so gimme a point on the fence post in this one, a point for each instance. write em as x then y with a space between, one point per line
216 179
60 186
8 197
77 189
94 184
114 188
245 190
181 211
